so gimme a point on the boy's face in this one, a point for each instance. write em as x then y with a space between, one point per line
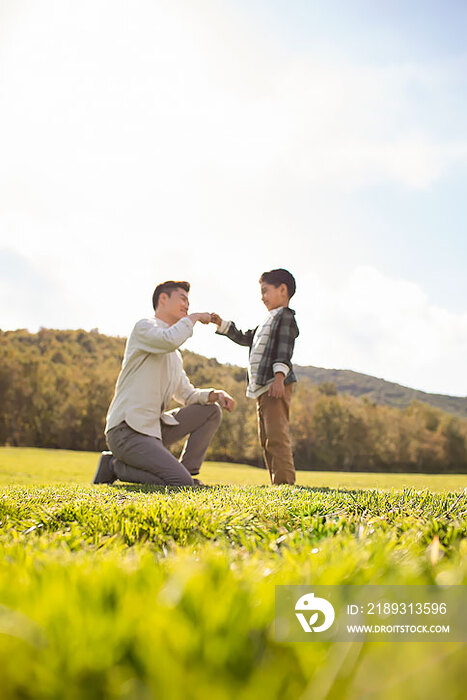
274 297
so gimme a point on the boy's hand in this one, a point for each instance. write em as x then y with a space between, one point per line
215 318
276 390
223 399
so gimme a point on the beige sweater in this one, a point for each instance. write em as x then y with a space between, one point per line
152 374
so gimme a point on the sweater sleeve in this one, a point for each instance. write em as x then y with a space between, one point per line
154 339
185 393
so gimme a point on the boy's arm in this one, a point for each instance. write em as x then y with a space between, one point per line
282 360
229 329
286 334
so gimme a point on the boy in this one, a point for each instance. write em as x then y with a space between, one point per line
270 372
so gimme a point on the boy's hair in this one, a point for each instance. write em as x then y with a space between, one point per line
168 287
278 277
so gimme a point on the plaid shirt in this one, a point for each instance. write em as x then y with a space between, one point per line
279 347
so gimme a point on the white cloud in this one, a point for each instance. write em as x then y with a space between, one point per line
27 295
110 104
385 327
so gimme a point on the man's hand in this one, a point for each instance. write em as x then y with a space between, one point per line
223 399
202 317
215 318
276 390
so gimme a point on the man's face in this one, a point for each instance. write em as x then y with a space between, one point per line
176 305
273 297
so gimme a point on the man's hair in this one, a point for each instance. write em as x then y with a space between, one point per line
168 287
278 277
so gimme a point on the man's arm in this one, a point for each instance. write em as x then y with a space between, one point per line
229 329
158 340
187 394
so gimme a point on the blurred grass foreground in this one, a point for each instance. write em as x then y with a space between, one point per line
127 591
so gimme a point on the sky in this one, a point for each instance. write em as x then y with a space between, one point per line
214 140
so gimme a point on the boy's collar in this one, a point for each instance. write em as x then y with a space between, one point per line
283 307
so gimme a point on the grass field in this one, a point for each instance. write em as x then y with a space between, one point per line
30 465
125 591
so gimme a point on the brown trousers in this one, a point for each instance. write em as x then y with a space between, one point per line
274 435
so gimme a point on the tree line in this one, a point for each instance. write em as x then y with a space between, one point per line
56 386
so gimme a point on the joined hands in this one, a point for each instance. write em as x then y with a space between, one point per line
206 317
203 317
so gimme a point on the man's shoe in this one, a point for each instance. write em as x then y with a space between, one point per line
104 473
198 482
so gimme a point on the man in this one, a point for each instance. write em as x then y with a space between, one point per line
138 427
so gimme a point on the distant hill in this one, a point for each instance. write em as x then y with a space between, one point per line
380 391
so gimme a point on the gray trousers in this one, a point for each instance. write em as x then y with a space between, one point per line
144 459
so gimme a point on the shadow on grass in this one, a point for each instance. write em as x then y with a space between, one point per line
153 488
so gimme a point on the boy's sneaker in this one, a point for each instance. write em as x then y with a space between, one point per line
104 473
